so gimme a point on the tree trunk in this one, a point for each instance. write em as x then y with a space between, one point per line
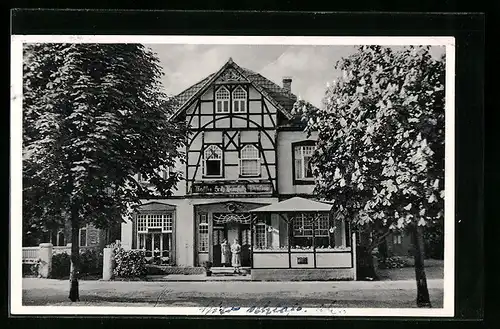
75 256
423 299
366 266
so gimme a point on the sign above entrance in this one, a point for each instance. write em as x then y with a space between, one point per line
231 188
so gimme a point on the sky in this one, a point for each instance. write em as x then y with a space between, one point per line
310 66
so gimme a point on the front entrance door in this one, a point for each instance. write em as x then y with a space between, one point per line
231 231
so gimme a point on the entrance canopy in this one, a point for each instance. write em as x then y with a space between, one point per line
295 204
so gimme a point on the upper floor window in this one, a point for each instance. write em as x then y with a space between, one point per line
302 162
239 100
212 158
222 100
83 236
249 161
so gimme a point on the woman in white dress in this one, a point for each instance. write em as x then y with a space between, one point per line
225 253
236 259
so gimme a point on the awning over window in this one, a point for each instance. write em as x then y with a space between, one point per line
296 204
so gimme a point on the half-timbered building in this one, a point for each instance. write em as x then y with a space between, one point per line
245 150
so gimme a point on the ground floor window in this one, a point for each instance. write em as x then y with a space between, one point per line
203 233
302 232
156 244
155 236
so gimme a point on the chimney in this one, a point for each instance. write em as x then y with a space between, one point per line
287 84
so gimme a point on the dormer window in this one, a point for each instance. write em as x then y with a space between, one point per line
249 161
239 100
222 100
212 158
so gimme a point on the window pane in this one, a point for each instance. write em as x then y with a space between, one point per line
226 106
212 152
239 93
236 106
307 167
213 167
298 168
203 238
249 152
260 236
250 168
243 106
83 237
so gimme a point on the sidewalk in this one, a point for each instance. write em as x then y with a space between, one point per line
176 293
196 278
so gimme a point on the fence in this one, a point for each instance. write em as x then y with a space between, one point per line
31 254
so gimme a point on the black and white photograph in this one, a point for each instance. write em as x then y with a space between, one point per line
212 175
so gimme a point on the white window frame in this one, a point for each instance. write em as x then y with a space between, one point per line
222 98
218 152
240 100
261 225
165 222
301 156
203 248
245 157
86 236
397 239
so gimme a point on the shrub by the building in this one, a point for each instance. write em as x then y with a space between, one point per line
30 270
90 263
129 263
394 262
61 264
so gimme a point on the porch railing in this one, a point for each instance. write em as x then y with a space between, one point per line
30 255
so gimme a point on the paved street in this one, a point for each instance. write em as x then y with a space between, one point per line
244 294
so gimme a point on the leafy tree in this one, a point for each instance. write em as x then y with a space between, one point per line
94 116
380 151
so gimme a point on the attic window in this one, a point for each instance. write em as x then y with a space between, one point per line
239 100
222 100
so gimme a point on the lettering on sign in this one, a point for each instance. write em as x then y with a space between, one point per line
232 188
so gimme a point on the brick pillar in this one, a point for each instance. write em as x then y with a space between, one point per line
45 255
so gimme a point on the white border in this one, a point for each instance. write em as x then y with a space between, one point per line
16 171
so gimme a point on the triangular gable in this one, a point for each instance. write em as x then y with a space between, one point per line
227 71
156 207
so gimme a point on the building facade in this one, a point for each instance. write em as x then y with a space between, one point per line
245 150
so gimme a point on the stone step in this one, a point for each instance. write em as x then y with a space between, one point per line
228 271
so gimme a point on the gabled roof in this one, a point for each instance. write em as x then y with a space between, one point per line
295 204
277 95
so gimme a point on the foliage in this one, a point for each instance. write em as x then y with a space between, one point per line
61 264
94 116
380 150
129 263
434 242
91 261
394 262
31 269
207 265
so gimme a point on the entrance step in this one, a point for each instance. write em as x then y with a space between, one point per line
229 271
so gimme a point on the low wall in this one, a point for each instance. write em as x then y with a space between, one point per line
296 274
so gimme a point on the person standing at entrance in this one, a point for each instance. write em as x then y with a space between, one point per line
225 252
236 260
